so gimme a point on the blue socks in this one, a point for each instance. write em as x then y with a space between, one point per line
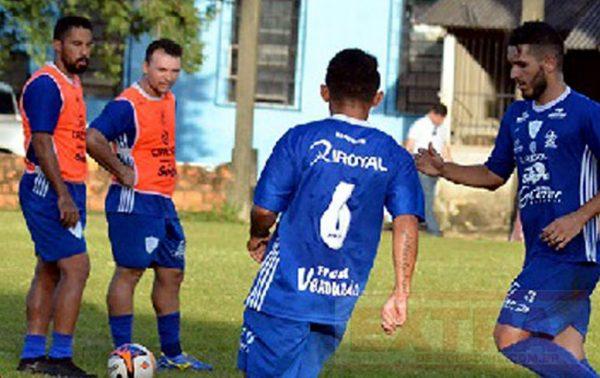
34 346
121 329
168 332
546 358
62 346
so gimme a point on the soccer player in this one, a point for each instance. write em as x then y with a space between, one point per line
553 138
329 181
52 196
143 225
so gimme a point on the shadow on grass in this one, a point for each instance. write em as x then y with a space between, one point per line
414 362
212 342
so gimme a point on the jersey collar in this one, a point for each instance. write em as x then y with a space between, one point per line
148 96
353 121
55 68
546 106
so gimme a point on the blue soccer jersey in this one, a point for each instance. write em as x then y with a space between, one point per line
330 180
554 148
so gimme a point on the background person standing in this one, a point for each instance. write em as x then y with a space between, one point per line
425 130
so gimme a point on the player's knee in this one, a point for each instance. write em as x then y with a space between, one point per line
129 277
505 336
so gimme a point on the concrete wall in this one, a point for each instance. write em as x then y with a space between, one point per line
197 189
464 210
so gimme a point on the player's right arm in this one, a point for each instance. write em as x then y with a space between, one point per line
405 240
405 201
479 176
42 104
114 120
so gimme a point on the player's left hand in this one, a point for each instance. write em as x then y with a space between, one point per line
257 247
393 313
560 232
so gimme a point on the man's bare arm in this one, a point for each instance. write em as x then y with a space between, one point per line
99 149
479 176
261 221
43 146
405 241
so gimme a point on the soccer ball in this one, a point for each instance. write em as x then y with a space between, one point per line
131 361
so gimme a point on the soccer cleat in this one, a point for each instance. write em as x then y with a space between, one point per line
65 368
33 365
183 361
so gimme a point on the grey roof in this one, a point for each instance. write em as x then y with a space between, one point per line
586 34
502 14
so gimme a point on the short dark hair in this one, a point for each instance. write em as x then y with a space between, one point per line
352 74
439 109
168 46
65 24
540 36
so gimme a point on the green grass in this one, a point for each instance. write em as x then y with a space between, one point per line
458 289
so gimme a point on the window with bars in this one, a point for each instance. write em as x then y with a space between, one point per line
277 50
421 62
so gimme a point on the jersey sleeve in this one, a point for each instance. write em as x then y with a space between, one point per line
404 194
278 179
116 118
591 128
502 159
42 104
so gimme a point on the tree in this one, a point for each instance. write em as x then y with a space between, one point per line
29 23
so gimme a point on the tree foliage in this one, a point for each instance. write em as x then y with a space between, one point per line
28 24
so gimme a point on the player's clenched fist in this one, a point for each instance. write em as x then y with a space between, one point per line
257 247
393 313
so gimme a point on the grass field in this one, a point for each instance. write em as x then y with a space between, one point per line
458 288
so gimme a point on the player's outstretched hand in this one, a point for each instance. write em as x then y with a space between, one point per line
393 313
429 161
257 247
560 232
69 214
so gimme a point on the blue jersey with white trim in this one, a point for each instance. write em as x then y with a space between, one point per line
330 180
555 149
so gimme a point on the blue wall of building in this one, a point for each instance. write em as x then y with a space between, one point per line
206 119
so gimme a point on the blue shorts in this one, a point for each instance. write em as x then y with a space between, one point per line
550 295
140 241
277 347
39 204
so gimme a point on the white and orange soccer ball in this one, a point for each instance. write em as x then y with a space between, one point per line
131 361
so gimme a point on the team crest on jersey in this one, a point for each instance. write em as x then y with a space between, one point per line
523 117
558 113
551 138
534 128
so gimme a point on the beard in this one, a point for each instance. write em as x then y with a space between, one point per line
538 86
78 67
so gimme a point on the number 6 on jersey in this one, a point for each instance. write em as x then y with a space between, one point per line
336 219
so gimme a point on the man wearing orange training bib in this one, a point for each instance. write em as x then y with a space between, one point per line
143 225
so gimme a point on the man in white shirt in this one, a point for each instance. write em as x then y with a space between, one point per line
425 130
